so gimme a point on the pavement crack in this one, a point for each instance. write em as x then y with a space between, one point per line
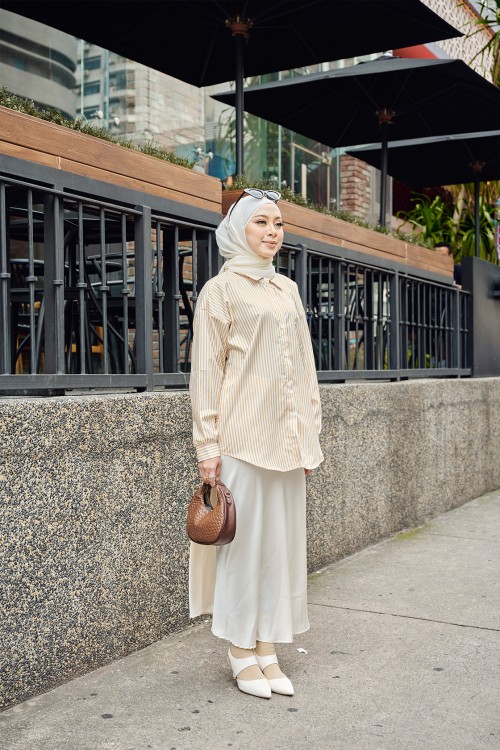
404 617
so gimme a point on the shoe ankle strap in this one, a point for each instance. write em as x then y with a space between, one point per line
266 661
238 665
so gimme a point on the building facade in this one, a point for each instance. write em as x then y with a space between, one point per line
38 63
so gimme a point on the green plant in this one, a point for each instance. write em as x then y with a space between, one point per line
453 223
467 233
432 218
28 107
152 148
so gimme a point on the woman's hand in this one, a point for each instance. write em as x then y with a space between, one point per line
210 470
308 472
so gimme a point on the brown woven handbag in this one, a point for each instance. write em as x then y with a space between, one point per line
211 525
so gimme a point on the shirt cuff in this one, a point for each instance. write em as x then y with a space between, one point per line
210 450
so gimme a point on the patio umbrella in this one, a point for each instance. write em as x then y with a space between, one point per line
447 160
204 42
362 103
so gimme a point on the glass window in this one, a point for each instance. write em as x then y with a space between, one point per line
118 80
92 87
92 63
89 112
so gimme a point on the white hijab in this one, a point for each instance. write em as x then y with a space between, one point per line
232 241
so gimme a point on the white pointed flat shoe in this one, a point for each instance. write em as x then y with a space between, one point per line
259 688
281 685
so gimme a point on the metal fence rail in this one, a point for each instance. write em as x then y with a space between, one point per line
99 294
372 322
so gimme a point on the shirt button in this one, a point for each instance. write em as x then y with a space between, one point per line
290 383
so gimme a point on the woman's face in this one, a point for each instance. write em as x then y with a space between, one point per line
264 231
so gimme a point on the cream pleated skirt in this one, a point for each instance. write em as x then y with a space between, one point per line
256 587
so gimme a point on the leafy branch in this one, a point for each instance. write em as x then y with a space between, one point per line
489 21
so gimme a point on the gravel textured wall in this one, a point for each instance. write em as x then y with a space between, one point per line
94 490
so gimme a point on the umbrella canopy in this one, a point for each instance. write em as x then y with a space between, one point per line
204 42
363 103
448 160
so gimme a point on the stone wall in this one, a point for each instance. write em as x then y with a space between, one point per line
94 490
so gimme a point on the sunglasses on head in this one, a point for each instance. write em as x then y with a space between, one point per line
273 195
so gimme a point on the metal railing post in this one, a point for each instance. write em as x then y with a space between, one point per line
5 343
369 319
339 316
394 323
456 344
54 284
301 272
144 295
172 299
208 259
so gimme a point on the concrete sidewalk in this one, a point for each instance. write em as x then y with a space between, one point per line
403 653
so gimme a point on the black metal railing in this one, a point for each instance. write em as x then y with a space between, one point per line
369 321
101 294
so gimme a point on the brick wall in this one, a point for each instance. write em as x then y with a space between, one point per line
355 186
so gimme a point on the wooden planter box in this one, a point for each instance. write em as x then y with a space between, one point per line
313 225
26 137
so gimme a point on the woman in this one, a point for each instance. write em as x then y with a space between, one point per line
256 420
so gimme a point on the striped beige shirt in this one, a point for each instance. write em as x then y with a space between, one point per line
254 390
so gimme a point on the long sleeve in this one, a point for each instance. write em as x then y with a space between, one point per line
208 358
310 365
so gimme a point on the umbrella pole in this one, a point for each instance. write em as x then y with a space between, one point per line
239 28
239 40
477 228
383 175
385 118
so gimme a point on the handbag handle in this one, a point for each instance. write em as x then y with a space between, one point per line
219 487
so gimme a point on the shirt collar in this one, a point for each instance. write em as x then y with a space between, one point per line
277 280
